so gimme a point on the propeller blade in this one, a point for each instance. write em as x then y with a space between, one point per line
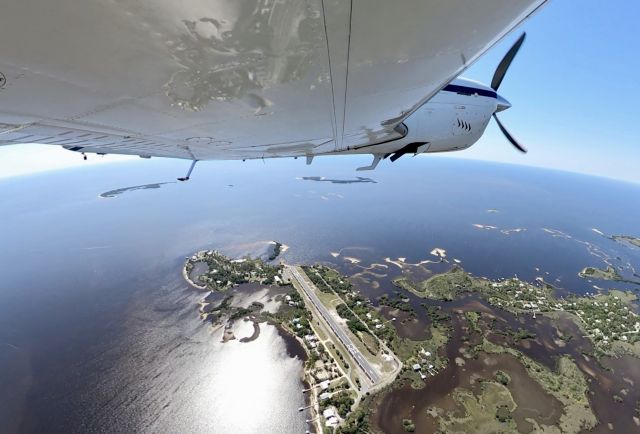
502 68
509 137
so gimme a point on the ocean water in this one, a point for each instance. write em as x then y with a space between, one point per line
98 332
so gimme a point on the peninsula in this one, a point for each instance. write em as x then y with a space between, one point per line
501 337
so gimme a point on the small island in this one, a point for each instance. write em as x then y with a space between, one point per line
608 273
634 241
210 269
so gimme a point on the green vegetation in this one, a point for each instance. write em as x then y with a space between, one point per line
503 378
608 273
294 315
628 239
354 324
341 359
364 321
522 334
276 251
605 318
239 313
358 420
566 383
398 302
329 280
342 401
472 318
408 425
223 273
487 412
424 353
437 316
445 286
224 311
370 343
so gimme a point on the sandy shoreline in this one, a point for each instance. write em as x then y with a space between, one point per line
185 274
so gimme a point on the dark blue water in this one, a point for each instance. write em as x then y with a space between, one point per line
99 334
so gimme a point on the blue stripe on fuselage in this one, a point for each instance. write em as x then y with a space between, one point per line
465 90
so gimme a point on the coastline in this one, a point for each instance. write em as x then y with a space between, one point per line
185 274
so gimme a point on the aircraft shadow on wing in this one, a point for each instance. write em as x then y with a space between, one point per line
357 180
119 191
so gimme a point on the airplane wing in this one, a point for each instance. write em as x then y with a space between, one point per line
232 79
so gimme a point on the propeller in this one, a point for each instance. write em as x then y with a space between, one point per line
509 137
498 76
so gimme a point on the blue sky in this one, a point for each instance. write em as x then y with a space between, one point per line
574 90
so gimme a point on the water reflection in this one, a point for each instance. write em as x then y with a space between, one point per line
172 373
242 50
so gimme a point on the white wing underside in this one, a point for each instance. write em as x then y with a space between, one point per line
232 79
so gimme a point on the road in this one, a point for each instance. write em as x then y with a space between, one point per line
337 330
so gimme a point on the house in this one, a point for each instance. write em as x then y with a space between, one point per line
416 367
324 385
329 412
368 315
379 326
325 395
332 422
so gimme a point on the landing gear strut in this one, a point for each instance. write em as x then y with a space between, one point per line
186 178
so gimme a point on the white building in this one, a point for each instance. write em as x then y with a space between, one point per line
332 422
329 412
